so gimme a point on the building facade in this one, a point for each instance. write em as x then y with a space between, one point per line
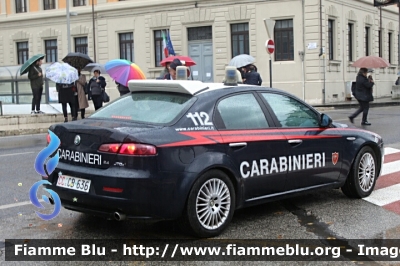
316 41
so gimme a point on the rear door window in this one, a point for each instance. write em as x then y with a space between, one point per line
147 107
242 111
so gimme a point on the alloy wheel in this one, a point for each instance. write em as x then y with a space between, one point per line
366 172
213 203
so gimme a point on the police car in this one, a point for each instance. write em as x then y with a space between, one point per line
199 151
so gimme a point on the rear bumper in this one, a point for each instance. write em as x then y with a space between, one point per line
144 196
102 212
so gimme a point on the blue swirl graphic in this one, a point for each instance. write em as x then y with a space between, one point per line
45 170
35 201
40 166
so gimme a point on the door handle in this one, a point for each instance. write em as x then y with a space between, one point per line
237 144
295 141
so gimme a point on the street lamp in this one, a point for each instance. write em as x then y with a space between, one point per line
68 25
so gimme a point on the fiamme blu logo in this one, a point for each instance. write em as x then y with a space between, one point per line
45 169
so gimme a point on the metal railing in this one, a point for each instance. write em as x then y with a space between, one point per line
79 3
49 4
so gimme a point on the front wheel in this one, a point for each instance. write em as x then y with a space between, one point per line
361 180
211 204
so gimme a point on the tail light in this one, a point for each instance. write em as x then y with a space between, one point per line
48 138
111 148
128 148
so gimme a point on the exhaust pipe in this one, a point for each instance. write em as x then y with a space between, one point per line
119 216
51 200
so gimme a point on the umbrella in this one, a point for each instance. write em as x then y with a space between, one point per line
242 60
94 66
77 60
188 61
371 61
25 67
122 71
61 73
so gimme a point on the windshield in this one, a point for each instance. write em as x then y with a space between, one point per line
146 107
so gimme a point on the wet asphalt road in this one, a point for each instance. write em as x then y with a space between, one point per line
318 215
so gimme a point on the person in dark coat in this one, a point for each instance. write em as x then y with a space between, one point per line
252 77
35 77
122 89
97 85
397 81
66 96
172 69
363 94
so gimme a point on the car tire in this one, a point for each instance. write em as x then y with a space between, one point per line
210 205
362 177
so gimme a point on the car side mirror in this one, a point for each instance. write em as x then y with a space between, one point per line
325 121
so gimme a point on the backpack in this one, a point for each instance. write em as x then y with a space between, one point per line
353 88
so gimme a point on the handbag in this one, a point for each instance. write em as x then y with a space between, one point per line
105 96
86 88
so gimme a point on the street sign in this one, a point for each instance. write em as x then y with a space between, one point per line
269 26
270 46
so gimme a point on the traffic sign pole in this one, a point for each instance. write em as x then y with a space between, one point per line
270 47
270 72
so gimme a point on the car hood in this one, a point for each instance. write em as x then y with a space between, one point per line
339 125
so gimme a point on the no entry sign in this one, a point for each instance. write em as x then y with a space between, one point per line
270 46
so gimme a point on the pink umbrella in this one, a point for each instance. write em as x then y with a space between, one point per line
188 60
122 71
371 61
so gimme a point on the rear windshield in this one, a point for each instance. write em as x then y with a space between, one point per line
147 107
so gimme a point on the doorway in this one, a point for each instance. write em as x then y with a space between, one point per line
201 51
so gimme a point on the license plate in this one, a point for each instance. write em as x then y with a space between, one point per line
74 183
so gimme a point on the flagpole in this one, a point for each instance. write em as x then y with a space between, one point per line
94 33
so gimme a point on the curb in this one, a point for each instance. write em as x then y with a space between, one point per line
355 104
17 132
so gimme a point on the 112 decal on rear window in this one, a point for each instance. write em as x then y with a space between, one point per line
200 118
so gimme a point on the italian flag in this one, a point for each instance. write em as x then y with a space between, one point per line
164 41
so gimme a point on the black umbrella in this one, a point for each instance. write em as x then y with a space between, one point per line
95 66
77 60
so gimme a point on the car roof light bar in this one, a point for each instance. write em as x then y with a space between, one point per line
181 73
231 76
179 86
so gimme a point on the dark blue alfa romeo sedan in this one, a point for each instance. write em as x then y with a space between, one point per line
199 151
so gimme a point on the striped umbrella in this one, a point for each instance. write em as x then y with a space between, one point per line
122 71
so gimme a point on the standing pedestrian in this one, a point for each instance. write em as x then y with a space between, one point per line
172 69
66 96
397 81
122 89
81 100
165 71
252 77
363 94
35 76
243 71
97 85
